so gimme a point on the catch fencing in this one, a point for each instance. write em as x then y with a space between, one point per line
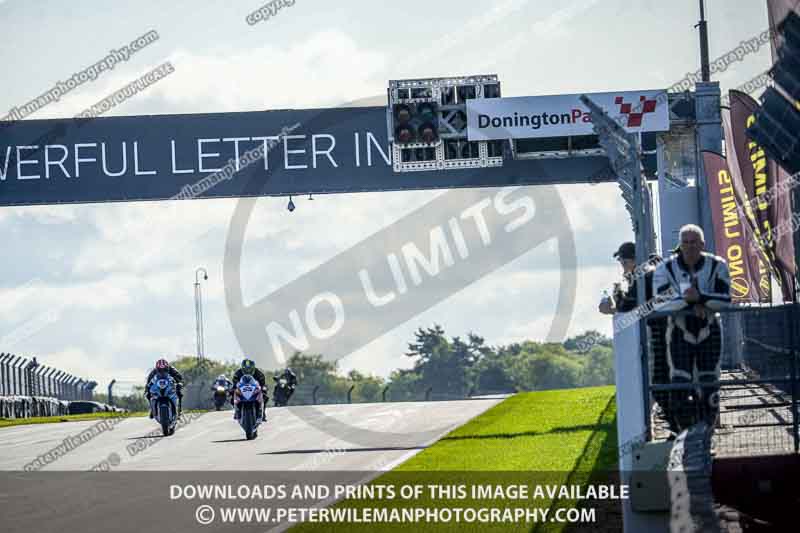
29 388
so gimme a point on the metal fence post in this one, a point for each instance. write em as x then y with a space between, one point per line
3 374
39 376
110 391
65 385
314 395
74 387
43 379
90 390
23 376
57 384
30 367
11 374
49 382
16 371
350 394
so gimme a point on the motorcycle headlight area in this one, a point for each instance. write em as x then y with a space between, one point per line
247 392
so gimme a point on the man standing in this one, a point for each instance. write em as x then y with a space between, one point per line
699 283
627 300
622 300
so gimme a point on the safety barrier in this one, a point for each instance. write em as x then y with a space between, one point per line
20 376
29 388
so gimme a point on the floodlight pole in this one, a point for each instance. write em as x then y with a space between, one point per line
198 313
705 67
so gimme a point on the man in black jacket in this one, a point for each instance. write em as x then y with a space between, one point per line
623 300
626 300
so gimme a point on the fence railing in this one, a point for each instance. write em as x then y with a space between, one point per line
21 376
743 378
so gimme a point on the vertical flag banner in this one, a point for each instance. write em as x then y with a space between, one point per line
752 162
761 177
755 259
729 228
786 244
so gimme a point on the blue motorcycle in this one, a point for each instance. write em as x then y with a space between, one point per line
164 403
249 403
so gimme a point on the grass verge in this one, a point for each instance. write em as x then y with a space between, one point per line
550 438
9 422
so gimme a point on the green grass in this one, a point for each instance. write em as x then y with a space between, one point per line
560 437
534 431
9 422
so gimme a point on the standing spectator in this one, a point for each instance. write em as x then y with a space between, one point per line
627 300
698 281
622 300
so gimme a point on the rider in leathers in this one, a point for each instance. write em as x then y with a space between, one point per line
700 282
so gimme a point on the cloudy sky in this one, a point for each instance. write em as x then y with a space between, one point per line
103 290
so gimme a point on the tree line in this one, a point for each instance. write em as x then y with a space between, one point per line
443 367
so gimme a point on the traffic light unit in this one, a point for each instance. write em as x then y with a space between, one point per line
777 121
427 123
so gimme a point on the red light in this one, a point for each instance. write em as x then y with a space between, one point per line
404 134
427 133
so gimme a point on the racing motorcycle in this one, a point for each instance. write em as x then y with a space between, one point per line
282 392
164 403
220 397
247 398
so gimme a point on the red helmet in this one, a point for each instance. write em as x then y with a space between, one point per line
162 364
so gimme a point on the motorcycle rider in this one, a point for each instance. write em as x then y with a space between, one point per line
164 369
291 382
249 367
222 381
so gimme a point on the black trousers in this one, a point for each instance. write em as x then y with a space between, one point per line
657 328
693 356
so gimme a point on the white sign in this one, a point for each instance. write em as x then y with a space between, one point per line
563 115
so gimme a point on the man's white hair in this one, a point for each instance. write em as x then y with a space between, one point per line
691 228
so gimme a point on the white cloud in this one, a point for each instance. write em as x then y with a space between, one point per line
78 362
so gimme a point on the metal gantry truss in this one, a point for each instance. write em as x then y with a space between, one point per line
622 149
